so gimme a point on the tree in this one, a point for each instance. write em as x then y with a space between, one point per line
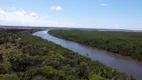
1 58
9 77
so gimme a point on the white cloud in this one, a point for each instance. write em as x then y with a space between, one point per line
58 8
104 4
33 14
2 12
24 18
20 12
13 8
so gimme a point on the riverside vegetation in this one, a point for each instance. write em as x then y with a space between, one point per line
27 57
124 43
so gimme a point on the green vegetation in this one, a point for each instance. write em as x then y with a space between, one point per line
27 57
124 43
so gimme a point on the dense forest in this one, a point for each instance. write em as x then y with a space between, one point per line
124 43
27 57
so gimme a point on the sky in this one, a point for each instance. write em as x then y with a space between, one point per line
108 14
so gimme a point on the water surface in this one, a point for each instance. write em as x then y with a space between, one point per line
121 63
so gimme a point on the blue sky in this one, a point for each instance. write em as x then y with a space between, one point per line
114 14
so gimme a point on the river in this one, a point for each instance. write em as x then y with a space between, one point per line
118 62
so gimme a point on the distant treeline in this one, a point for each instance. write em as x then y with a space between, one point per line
26 57
124 43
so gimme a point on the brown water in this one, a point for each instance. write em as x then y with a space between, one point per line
121 63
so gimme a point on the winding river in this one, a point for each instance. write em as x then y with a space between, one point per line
122 64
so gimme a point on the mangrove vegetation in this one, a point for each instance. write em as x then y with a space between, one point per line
27 57
124 43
